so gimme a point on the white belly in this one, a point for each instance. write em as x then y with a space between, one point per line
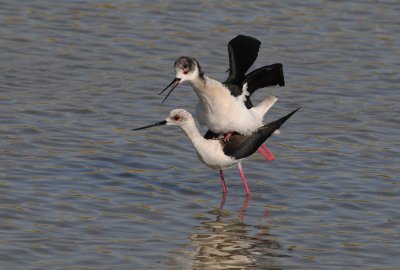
223 117
221 112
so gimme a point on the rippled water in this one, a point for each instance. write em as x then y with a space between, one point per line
80 190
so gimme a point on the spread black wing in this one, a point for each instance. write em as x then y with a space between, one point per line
240 146
243 51
265 76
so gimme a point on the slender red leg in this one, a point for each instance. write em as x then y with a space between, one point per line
221 173
266 153
272 157
228 136
243 179
221 205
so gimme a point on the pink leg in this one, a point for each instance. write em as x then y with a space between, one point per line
228 136
221 173
266 153
221 205
244 179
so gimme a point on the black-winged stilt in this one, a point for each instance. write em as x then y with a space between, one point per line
217 153
226 107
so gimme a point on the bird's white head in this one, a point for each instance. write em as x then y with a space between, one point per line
179 117
187 69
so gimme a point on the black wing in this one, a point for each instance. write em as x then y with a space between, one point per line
243 51
240 146
265 76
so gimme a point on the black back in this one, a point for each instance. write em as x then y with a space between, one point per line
240 146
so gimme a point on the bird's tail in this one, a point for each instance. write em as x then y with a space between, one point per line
275 125
245 146
263 107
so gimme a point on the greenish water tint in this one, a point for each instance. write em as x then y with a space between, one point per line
80 190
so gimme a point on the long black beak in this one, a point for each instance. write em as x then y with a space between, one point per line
174 84
152 125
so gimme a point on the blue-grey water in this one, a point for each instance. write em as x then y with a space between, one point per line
80 190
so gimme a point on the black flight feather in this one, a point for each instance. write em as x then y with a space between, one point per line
265 76
243 51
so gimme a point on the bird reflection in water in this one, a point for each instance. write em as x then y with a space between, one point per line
227 242
242 209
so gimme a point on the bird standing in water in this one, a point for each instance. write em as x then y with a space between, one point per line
219 154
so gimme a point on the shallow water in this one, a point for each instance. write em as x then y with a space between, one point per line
80 190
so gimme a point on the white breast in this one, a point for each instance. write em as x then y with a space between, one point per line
210 153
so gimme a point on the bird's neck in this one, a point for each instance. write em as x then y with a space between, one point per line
193 134
207 89
199 83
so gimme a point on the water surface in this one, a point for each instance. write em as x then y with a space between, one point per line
80 190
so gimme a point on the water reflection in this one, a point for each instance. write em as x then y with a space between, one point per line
225 241
242 209
78 190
